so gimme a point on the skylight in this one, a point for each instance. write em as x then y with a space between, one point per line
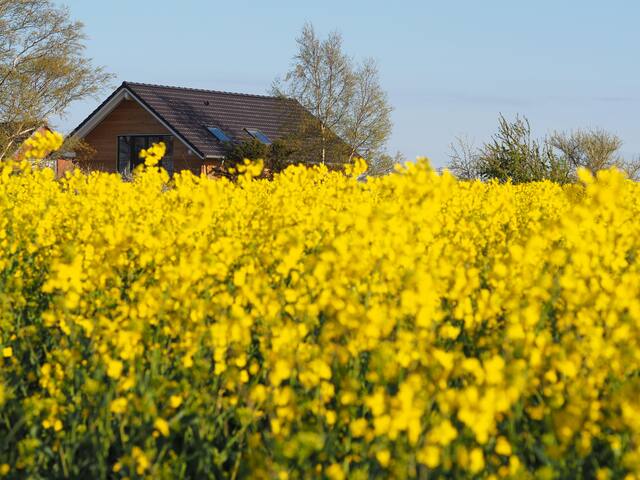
258 135
219 134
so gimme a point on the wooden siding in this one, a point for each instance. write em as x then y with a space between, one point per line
63 165
130 118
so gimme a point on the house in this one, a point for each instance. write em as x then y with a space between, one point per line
195 125
16 147
13 135
16 134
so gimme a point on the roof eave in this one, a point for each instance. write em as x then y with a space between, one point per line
101 111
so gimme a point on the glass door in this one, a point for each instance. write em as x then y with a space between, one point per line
129 147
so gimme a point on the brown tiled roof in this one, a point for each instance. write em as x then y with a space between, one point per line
190 111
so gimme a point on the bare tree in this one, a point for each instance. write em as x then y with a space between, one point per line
631 168
42 67
594 149
348 103
463 159
321 80
383 164
368 124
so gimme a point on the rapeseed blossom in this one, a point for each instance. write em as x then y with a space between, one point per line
318 325
41 144
153 154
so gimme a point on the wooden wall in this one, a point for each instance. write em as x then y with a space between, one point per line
63 165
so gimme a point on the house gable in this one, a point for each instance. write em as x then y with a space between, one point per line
129 117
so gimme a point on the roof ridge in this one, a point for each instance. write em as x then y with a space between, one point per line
126 83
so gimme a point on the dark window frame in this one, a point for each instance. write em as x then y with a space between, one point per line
166 162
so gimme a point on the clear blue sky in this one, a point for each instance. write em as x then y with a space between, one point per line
449 67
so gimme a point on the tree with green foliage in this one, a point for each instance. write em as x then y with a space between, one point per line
277 155
250 149
511 155
42 67
514 155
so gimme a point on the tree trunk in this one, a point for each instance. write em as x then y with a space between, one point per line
324 153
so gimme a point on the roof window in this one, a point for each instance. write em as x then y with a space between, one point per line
258 135
219 134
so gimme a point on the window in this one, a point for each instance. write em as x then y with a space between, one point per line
129 147
258 135
219 134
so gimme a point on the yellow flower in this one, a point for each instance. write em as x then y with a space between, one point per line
281 372
476 460
376 403
358 167
162 426
114 368
119 405
585 175
7 352
331 417
321 368
430 456
335 472
358 427
142 461
175 401
275 426
153 154
42 144
503 447
383 456
443 434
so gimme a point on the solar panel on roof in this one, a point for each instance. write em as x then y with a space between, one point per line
219 134
258 135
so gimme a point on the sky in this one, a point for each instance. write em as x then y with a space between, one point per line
449 67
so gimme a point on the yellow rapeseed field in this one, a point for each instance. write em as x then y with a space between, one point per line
317 325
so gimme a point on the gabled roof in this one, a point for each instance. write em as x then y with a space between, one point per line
187 112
